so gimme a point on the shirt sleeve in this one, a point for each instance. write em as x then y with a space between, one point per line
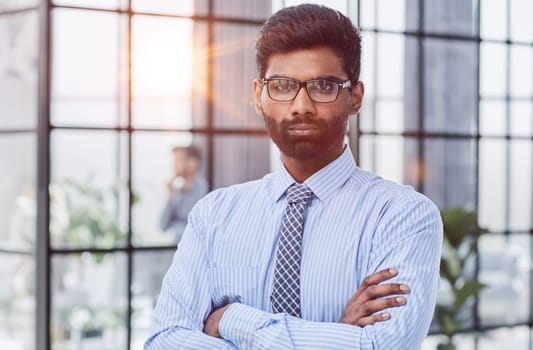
408 237
184 302
250 328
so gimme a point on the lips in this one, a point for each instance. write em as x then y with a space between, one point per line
303 129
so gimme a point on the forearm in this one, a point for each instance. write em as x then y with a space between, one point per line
250 328
180 338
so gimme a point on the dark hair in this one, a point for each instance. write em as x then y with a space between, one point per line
190 152
309 26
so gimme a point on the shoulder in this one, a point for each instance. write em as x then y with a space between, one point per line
394 203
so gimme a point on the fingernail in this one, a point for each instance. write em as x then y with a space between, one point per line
393 271
385 316
404 287
401 300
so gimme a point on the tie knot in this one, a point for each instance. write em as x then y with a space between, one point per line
299 193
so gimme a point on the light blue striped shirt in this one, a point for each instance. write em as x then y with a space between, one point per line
356 224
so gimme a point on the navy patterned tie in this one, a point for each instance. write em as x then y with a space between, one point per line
286 293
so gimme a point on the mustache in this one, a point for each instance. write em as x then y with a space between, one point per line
299 119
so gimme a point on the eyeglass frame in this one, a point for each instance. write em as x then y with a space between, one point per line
341 85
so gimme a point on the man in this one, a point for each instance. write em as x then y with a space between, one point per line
238 281
185 188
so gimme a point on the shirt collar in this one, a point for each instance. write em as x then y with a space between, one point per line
323 183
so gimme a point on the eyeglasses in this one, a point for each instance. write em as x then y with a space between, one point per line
318 90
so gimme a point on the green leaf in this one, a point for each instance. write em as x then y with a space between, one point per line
469 289
458 224
446 318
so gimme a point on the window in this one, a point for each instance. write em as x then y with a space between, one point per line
448 109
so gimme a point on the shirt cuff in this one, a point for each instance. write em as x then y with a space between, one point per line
239 323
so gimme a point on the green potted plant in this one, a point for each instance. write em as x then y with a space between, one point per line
461 236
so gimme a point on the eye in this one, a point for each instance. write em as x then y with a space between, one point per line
322 86
282 85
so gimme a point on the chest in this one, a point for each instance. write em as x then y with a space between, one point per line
334 257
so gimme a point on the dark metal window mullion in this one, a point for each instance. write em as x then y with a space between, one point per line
42 249
477 262
129 162
210 95
421 95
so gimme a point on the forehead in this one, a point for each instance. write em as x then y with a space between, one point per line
305 64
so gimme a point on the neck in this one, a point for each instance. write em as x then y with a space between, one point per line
302 169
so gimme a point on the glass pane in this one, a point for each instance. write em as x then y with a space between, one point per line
521 118
504 263
492 178
521 71
85 85
383 155
8 5
493 65
240 158
17 301
88 190
451 17
392 15
493 117
520 183
89 301
368 14
390 77
450 86
149 267
450 172
461 341
18 207
389 116
101 4
395 15
516 338
242 9
18 70
341 5
494 19
162 79
521 26
182 7
234 56
154 151
414 95
367 115
368 63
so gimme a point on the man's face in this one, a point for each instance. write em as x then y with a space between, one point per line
301 128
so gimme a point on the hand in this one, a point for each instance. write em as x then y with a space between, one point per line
364 306
170 186
213 320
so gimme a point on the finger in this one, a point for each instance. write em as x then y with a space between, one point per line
374 306
375 279
378 291
370 320
383 290
372 309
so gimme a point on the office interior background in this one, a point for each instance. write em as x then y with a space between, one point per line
95 93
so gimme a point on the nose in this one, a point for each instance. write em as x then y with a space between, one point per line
302 103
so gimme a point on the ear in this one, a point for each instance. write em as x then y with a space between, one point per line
258 90
358 91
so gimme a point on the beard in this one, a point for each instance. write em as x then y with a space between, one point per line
329 135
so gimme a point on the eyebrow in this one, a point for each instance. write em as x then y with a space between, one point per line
323 77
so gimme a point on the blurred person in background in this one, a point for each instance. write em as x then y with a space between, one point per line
184 189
